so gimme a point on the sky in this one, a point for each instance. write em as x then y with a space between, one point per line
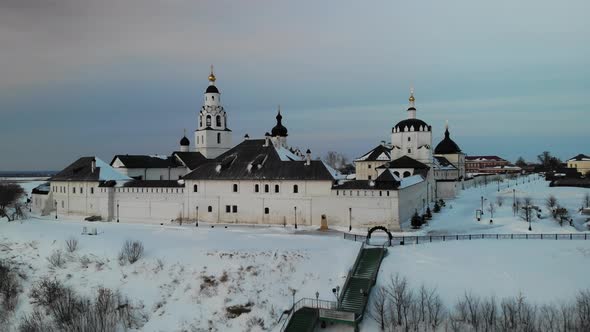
81 77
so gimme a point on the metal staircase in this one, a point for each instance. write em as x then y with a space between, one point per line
353 300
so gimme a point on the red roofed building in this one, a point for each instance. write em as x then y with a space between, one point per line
482 164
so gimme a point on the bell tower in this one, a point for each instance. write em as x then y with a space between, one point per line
212 137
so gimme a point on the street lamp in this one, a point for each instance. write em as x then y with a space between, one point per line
482 205
336 292
197 220
349 219
55 209
295 217
117 211
293 291
317 298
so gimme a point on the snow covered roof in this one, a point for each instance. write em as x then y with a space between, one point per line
580 157
84 170
145 161
379 153
286 154
443 164
277 165
410 181
483 158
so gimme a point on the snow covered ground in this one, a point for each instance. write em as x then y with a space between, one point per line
180 281
189 275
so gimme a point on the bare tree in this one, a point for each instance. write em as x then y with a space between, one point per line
551 202
378 309
11 206
491 209
72 244
526 209
336 160
499 200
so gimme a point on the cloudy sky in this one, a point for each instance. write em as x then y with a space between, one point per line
82 77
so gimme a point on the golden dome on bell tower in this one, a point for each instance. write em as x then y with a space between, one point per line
211 75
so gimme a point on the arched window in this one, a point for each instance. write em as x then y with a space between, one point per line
218 121
210 209
396 173
266 188
235 187
266 211
406 174
276 188
208 121
218 138
256 188
409 139
195 188
212 97
295 188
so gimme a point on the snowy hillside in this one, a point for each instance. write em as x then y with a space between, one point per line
189 276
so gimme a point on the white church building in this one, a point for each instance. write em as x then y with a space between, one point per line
256 181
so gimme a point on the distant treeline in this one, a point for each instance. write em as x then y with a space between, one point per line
26 174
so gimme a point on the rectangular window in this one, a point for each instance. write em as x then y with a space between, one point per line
227 208
91 190
73 190
210 209
369 166
81 190
235 209
235 187
266 211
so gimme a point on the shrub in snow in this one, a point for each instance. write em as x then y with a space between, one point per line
72 244
416 221
11 205
108 311
436 208
57 259
255 323
428 213
131 252
9 289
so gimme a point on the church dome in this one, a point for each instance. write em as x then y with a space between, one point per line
447 145
184 141
416 123
279 129
211 89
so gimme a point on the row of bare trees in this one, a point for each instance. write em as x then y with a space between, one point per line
12 206
397 307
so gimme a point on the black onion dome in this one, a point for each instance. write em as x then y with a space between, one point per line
211 89
417 123
279 129
184 141
447 145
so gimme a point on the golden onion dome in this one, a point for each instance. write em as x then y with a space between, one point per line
211 76
412 99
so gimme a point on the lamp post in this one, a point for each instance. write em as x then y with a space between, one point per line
293 291
349 219
295 217
498 184
197 220
317 298
482 205
55 209
336 292
117 211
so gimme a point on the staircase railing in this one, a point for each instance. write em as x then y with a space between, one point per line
309 303
350 273
373 281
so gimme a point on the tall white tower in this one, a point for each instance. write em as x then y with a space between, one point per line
212 137
412 137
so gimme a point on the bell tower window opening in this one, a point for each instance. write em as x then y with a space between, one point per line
208 122
218 121
218 138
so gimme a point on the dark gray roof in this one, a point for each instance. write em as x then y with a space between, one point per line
416 123
447 145
367 185
443 161
42 189
375 153
144 161
252 160
153 184
79 170
405 162
191 160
